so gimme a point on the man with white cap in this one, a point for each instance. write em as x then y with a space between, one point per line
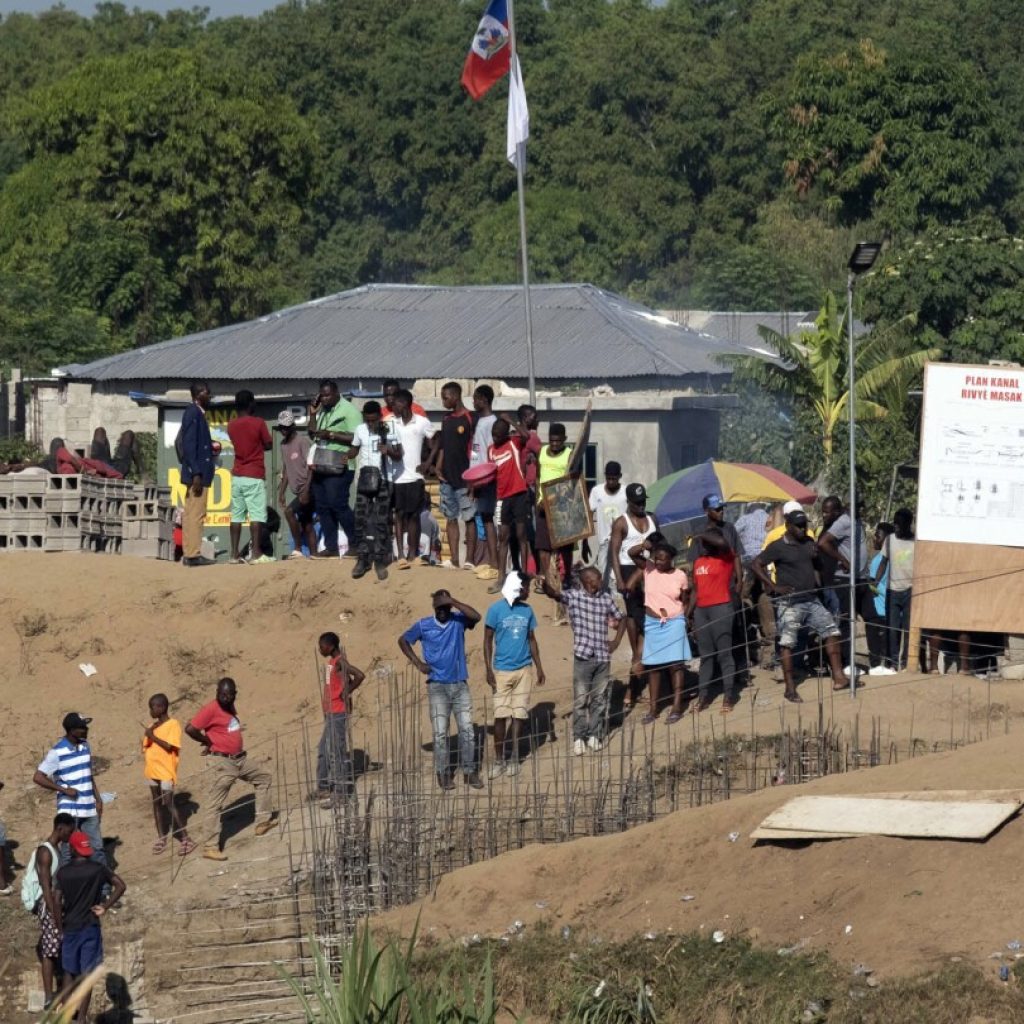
298 513
512 659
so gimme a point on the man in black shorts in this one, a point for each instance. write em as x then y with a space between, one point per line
298 513
413 431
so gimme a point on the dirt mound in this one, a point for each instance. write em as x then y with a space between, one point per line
895 904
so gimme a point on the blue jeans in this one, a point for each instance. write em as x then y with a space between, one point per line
447 699
331 495
333 762
897 615
91 827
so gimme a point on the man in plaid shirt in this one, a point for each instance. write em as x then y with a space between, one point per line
591 611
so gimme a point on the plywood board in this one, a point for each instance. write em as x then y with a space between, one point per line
792 834
927 818
968 587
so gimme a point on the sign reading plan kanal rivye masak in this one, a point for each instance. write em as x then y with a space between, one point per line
971 487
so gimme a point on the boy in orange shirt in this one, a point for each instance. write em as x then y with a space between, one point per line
161 746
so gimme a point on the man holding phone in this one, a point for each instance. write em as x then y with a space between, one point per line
332 423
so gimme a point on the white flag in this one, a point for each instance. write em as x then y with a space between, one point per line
518 115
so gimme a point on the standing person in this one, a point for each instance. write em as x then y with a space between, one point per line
215 726
389 389
332 423
714 509
334 776
710 607
591 611
898 561
873 605
831 510
554 461
298 513
608 503
413 431
442 637
666 646
513 496
194 448
67 771
161 747
39 895
451 459
751 529
512 658
378 453
845 541
796 561
628 531
251 440
486 495
80 906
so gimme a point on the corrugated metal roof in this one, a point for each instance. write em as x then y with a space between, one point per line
742 328
424 331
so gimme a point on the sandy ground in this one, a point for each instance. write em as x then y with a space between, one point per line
150 626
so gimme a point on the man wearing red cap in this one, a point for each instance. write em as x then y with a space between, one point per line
80 906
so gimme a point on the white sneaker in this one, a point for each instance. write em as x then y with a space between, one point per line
578 747
881 670
595 743
512 768
496 770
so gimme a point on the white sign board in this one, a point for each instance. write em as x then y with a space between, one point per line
971 487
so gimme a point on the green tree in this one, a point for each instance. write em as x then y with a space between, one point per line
811 371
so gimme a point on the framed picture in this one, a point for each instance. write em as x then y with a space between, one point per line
567 510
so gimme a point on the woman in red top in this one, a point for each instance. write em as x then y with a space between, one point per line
711 612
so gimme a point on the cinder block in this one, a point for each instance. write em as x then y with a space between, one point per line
28 503
6 484
23 484
64 483
141 548
5 502
27 541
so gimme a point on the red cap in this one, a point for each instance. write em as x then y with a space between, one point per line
79 842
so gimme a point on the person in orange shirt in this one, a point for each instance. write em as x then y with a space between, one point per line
161 746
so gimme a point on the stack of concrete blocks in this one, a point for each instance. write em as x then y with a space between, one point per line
1011 664
148 523
22 512
63 506
101 517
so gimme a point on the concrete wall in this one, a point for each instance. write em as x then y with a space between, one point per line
74 411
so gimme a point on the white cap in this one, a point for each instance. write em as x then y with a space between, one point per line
792 506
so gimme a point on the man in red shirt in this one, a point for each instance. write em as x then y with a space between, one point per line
710 610
251 438
217 728
333 762
514 508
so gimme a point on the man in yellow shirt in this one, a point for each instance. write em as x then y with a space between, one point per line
554 462
161 746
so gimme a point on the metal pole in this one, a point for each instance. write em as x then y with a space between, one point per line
854 536
520 185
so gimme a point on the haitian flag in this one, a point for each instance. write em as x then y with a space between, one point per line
488 58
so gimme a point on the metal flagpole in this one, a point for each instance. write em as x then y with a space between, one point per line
520 163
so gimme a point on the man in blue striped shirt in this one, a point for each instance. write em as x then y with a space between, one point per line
67 771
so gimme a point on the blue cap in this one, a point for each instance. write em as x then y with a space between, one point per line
712 501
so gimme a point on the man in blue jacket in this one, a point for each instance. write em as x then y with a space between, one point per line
196 453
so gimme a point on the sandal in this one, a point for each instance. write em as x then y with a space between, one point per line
648 719
159 845
186 847
701 705
795 698
727 707
674 717
402 564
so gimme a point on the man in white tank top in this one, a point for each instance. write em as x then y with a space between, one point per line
627 532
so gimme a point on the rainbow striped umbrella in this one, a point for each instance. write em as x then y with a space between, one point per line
678 496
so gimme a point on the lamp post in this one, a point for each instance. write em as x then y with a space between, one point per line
862 259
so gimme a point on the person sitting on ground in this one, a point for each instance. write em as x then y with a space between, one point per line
251 440
442 637
65 462
334 776
216 727
161 747
591 611
300 511
378 462
666 645
796 584
513 509
80 906
39 895
512 660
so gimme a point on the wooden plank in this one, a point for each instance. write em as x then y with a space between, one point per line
928 818
790 834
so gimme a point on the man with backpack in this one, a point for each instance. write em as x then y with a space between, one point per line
39 898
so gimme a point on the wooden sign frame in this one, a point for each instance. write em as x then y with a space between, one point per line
563 498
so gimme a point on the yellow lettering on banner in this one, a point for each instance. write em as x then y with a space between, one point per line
218 499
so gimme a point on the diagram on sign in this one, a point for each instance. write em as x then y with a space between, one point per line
981 498
983 445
